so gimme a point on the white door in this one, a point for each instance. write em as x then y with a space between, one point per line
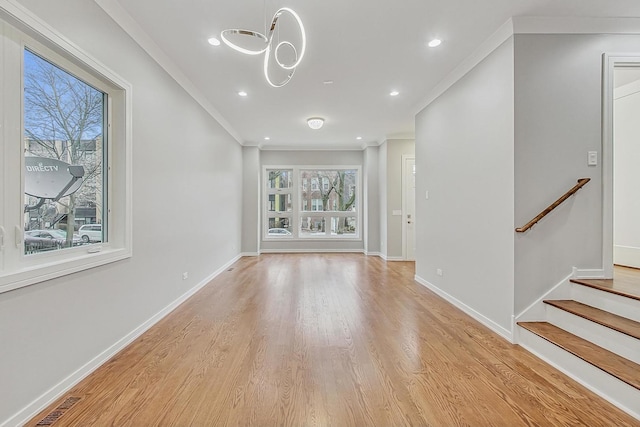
626 174
409 207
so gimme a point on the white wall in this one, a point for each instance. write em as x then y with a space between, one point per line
250 196
187 183
319 158
558 111
464 158
382 198
371 195
396 148
626 176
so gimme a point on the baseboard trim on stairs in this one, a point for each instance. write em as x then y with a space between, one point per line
58 390
536 310
586 273
495 327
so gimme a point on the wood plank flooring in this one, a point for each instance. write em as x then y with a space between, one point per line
327 340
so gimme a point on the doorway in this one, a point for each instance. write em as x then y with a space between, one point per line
626 173
621 153
408 207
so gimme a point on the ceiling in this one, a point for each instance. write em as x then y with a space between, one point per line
367 49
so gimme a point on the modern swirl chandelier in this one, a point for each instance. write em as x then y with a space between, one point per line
268 46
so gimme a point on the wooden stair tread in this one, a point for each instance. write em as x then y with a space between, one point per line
604 318
626 286
621 368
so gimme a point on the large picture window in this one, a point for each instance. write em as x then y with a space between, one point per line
66 154
312 203
63 128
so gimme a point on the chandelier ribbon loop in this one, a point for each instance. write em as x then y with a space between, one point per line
268 40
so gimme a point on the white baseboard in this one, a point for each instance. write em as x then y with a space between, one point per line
627 256
500 330
585 273
55 392
536 311
391 258
378 254
310 251
249 254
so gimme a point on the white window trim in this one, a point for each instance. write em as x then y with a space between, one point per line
21 270
295 215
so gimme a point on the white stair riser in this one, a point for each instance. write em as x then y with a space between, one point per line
616 304
614 341
608 387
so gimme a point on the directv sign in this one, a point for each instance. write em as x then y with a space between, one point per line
51 178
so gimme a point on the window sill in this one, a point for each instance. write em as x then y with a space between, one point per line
312 239
82 261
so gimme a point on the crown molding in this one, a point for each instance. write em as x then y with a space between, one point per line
133 29
574 25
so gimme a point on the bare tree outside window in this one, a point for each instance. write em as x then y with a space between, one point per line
335 192
64 120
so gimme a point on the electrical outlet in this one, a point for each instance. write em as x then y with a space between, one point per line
185 275
439 272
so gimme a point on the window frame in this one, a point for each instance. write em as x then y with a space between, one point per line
20 30
295 216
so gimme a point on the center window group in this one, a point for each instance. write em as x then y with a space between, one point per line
311 203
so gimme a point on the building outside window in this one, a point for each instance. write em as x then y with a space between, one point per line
328 208
279 197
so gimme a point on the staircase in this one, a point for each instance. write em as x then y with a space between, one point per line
594 336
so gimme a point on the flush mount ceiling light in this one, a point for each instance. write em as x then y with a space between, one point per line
214 41
315 123
267 43
434 43
394 93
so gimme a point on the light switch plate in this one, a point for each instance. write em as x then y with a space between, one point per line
592 158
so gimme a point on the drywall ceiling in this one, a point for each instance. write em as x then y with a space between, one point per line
366 49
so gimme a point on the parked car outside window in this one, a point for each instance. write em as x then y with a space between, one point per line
278 232
91 233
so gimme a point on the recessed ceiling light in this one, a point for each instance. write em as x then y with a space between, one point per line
266 138
214 41
435 43
394 93
358 138
242 93
315 123
328 82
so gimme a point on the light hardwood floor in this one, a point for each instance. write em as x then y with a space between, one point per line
327 339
